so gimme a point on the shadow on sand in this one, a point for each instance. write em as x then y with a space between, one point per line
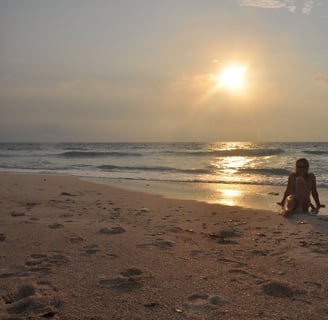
318 222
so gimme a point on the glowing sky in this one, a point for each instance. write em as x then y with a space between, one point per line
145 70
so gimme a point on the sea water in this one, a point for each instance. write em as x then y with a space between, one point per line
232 173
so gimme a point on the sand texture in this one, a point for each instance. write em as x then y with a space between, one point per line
71 249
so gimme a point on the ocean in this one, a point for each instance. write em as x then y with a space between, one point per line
232 173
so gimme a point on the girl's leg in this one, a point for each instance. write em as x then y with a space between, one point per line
303 195
290 205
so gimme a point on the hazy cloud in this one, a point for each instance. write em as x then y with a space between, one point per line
270 4
78 89
291 5
321 79
308 6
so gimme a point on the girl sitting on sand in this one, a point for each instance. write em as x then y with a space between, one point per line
301 184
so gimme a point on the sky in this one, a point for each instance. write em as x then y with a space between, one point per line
152 70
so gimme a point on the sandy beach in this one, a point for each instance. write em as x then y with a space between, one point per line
72 249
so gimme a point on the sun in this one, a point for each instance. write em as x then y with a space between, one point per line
232 77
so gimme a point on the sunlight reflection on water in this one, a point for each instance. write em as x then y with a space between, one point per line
230 197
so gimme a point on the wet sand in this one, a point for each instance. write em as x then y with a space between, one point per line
71 249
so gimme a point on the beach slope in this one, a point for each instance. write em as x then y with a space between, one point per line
71 249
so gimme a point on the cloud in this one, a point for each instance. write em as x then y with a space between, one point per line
308 6
320 78
270 4
291 5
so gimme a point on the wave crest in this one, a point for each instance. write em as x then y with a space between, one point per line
316 152
231 153
266 171
155 169
94 154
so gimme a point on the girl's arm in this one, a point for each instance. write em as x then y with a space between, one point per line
315 193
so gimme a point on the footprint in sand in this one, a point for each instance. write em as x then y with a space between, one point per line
202 253
242 276
76 239
222 236
112 231
203 303
121 284
44 263
55 226
231 261
258 253
38 263
22 292
19 272
162 244
91 249
58 258
29 301
68 194
17 214
317 289
129 280
281 290
174 229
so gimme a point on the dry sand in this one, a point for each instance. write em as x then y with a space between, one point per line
71 249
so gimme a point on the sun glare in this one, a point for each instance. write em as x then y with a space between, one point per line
231 77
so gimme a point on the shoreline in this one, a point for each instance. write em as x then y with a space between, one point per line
257 197
72 249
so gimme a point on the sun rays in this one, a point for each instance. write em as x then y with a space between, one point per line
231 77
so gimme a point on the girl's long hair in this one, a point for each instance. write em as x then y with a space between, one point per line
303 162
